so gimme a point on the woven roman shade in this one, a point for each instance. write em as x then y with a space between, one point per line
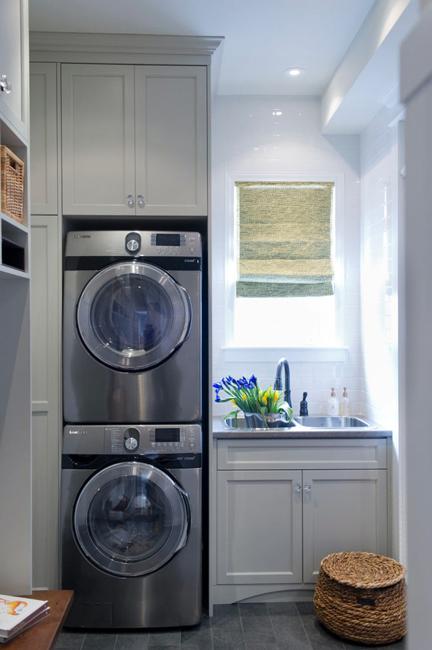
285 239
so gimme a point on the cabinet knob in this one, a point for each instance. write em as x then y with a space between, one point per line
298 488
130 201
5 86
140 201
307 489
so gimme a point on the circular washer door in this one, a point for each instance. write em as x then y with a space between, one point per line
133 316
131 518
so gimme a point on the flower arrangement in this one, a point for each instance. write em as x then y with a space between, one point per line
251 399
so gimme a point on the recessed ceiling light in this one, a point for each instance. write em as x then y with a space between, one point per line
294 72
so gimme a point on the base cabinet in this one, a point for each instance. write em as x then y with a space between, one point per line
274 526
343 510
259 531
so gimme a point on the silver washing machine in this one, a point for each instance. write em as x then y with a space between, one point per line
131 525
132 327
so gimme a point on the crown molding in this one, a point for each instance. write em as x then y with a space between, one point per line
64 44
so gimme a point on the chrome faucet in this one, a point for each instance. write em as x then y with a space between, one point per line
283 364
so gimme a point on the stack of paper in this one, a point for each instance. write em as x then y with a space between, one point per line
17 614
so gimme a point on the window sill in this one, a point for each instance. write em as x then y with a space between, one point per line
295 355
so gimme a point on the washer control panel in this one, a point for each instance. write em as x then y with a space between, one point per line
162 439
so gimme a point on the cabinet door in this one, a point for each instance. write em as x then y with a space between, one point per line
45 328
98 139
343 510
259 519
13 60
171 140
43 138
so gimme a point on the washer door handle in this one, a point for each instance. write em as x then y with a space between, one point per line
184 538
188 310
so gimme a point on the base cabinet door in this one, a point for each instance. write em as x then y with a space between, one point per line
343 510
171 140
98 139
259 527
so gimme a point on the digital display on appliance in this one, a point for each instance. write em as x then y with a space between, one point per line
167 435
167 239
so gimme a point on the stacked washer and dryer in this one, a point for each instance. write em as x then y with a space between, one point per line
132 449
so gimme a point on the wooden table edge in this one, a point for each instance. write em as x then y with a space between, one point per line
44 634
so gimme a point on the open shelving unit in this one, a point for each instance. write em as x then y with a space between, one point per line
15 365
14 249
14 236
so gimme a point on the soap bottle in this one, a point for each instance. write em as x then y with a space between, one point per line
304 405
344 407
333 403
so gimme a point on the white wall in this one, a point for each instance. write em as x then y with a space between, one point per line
416 363
248 139
381 207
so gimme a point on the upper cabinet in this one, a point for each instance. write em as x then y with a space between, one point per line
98 139
13 63
171 140
43 138
134 140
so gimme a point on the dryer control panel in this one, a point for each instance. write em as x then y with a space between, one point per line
132 439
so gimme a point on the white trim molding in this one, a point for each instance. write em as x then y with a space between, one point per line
301 355
121 48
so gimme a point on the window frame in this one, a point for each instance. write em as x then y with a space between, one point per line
232 350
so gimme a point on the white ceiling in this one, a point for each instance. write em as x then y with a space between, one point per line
262 37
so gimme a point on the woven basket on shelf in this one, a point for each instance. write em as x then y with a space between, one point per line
12 184
362 597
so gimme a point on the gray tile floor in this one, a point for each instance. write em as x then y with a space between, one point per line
273 626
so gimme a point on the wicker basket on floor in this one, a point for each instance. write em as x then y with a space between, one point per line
362 597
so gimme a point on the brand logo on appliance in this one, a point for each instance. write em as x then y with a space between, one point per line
76 432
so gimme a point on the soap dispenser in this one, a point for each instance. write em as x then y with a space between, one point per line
304 405
333 403
344 407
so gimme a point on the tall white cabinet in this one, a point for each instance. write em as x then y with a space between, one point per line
119 135
15 424
45 330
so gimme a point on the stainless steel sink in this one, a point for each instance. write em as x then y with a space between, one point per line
330 422
240 423
307 422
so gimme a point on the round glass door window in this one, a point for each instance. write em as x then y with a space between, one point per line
131 518
132 316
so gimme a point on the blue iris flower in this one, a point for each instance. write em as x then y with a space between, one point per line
232 386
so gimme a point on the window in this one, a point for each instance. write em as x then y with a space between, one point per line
285 284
